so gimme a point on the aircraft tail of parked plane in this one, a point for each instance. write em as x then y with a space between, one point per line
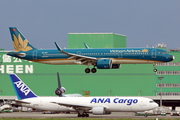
20 43
21 89
24 92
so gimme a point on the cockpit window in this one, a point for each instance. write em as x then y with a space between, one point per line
151 101
164 53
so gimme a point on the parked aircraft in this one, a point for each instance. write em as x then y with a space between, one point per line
100 58
82 105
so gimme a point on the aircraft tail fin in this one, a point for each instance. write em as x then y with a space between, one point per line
21 89
20 43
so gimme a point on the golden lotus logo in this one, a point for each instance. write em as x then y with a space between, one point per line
144 50
20 44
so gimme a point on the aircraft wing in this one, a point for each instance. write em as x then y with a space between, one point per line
19 101
75 106
83 59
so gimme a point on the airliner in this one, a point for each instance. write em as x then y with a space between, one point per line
99 58
82 105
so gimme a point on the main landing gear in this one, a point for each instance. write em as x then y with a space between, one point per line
83 115
88 70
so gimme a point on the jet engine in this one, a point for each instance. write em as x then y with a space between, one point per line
104 64
60 91
115 66
99 111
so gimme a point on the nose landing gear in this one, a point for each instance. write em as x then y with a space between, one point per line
155 70
154 65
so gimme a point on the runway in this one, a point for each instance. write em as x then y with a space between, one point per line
62 115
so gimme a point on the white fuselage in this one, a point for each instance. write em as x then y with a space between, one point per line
111 104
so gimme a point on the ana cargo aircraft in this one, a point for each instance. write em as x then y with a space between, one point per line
82 105
100 58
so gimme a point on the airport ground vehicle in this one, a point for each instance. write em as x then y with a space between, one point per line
174 113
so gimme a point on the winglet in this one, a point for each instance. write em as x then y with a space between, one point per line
58 47
21 89
86 45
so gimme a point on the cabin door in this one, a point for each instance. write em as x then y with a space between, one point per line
120 55
35 54
78 52
153 53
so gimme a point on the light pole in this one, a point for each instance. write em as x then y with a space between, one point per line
160 78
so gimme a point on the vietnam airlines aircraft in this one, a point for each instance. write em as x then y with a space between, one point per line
82 105
100 58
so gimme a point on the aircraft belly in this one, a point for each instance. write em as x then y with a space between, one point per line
132 62
52 107
119 108
60 62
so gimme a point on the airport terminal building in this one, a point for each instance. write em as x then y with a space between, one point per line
129 80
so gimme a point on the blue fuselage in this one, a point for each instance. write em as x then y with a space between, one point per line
117 55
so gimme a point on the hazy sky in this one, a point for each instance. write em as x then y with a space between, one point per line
144 22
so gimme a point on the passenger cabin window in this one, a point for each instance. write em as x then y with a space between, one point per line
164 52
151 101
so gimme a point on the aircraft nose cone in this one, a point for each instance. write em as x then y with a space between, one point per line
172 58
156 105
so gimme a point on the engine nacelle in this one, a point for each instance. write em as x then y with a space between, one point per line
98 110
115 66
60 91
104 64
107 112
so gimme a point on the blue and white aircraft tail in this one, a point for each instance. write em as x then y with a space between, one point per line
21 89
20 43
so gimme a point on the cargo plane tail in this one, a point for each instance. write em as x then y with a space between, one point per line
21 89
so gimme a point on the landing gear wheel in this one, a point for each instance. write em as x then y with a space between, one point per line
87 115
93 70
83 115
79 115
87 70
155 70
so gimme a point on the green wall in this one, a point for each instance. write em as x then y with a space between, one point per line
96 40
